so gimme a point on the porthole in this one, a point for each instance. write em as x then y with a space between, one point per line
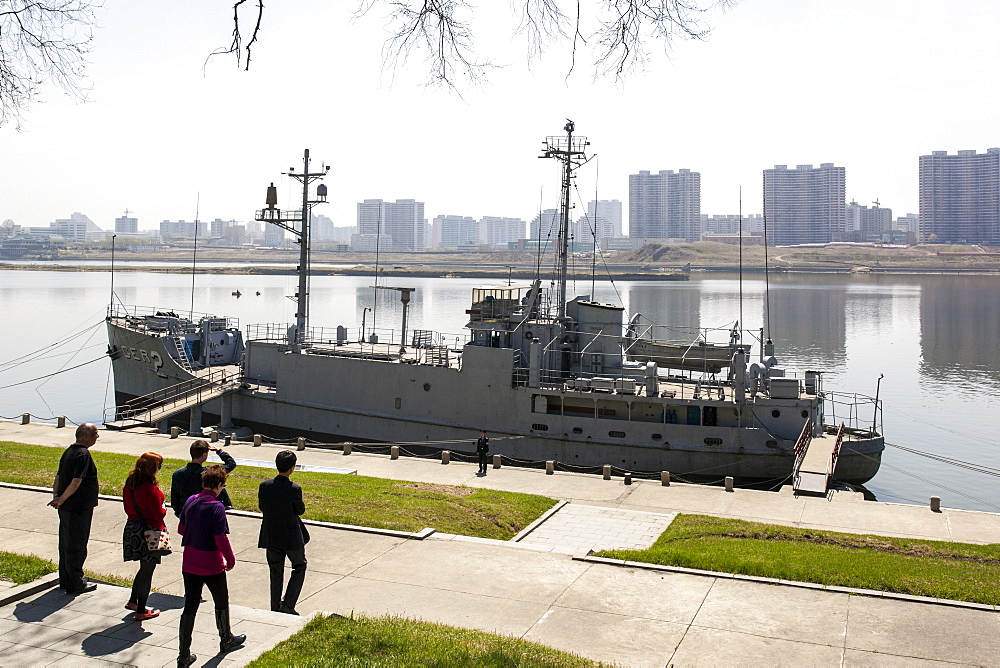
399 402
540 427
771 444
805 414
713 441
577 430
529 335
427 387
775 413
616 434
657 437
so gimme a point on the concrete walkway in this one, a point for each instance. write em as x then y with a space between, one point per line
533 590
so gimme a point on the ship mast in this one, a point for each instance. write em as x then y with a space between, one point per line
570 152
286 220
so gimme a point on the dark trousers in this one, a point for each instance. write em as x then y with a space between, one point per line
192 591
141 584
74 532
482 462
276 564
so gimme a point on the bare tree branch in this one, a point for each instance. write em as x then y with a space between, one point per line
236 45
42 41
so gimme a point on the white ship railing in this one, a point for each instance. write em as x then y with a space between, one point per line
136 315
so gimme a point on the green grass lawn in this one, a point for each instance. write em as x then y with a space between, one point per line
390 641
329 497
957 571
21 569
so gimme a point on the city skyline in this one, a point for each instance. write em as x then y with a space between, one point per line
168 137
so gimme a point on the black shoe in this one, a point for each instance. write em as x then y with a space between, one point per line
288 610
234 642
87 587
186 661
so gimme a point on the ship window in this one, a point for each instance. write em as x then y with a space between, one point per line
427 387
399 402
713 441
775 413
805 414
616 434
538 426
771 444
657 437
577 430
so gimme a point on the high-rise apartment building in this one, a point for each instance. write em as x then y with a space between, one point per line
500 231
666 205
729 224
126 225
455 231
545 225
805 204
183 228
865 219
611 211
960 197
398 226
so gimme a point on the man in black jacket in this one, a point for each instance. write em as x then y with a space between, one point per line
482 449
74 495
282 533
186 481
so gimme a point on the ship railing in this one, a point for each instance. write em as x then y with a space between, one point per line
860 415
188 391
137 316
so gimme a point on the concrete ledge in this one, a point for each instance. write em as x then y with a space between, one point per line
15 594
534 525
789 583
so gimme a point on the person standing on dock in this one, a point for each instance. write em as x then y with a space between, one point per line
282 533
186 481
483 449
74 495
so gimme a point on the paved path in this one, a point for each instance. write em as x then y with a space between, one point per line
576 527
625 615
54 629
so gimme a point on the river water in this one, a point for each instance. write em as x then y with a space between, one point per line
934 338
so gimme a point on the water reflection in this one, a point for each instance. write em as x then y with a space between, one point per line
959 329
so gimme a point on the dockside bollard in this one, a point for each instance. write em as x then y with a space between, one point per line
229 439
445 456
257 440
25 418
550 467
348 448
213 436
301 443
394 452
496 461
665 478
628 478
61 421
729 483
607 471
175 432
936 504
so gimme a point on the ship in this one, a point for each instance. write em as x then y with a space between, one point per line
550 378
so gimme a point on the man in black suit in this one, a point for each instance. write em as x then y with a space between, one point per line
186 481
282 533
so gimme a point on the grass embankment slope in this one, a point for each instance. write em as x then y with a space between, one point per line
650 259
956 571
344 499
390 641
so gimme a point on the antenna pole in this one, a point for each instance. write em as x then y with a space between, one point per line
111 303
194 256
570 152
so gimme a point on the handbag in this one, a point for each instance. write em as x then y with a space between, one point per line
157 540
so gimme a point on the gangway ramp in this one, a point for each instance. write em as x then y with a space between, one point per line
815 461
174 400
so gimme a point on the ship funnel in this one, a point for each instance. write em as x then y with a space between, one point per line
272 196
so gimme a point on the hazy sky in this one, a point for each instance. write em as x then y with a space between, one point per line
867 85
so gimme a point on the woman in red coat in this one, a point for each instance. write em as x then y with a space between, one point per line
143 502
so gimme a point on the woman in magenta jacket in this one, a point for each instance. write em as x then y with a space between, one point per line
143 502
208 554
